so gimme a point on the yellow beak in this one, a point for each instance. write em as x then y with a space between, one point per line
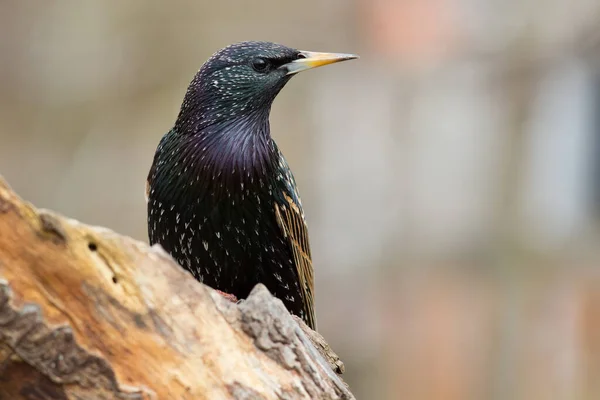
313 59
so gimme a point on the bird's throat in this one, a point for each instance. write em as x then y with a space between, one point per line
242 143
224 159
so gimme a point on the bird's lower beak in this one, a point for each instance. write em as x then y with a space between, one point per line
313 59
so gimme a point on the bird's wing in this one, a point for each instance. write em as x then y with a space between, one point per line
291 221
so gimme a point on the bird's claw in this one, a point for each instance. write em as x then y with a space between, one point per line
228 296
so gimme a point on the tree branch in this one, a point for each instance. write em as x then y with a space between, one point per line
88 314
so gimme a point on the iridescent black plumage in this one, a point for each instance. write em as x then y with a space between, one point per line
221 197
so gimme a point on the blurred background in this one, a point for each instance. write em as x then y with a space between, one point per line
450 177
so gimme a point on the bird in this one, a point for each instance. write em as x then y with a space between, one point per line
221 198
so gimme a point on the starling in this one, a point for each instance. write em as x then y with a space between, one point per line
221 197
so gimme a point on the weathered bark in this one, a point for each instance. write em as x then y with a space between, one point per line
88 314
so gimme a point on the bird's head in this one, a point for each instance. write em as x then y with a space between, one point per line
244 78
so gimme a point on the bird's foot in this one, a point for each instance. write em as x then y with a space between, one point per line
228 296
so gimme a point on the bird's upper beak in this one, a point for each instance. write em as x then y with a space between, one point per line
313 59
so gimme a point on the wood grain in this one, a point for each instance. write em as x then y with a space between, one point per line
86 313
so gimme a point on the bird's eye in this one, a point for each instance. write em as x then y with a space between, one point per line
260 64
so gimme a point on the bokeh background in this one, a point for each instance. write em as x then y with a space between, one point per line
450 177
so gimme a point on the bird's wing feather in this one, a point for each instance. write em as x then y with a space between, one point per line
291 221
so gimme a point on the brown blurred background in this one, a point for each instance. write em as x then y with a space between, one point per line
450 177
